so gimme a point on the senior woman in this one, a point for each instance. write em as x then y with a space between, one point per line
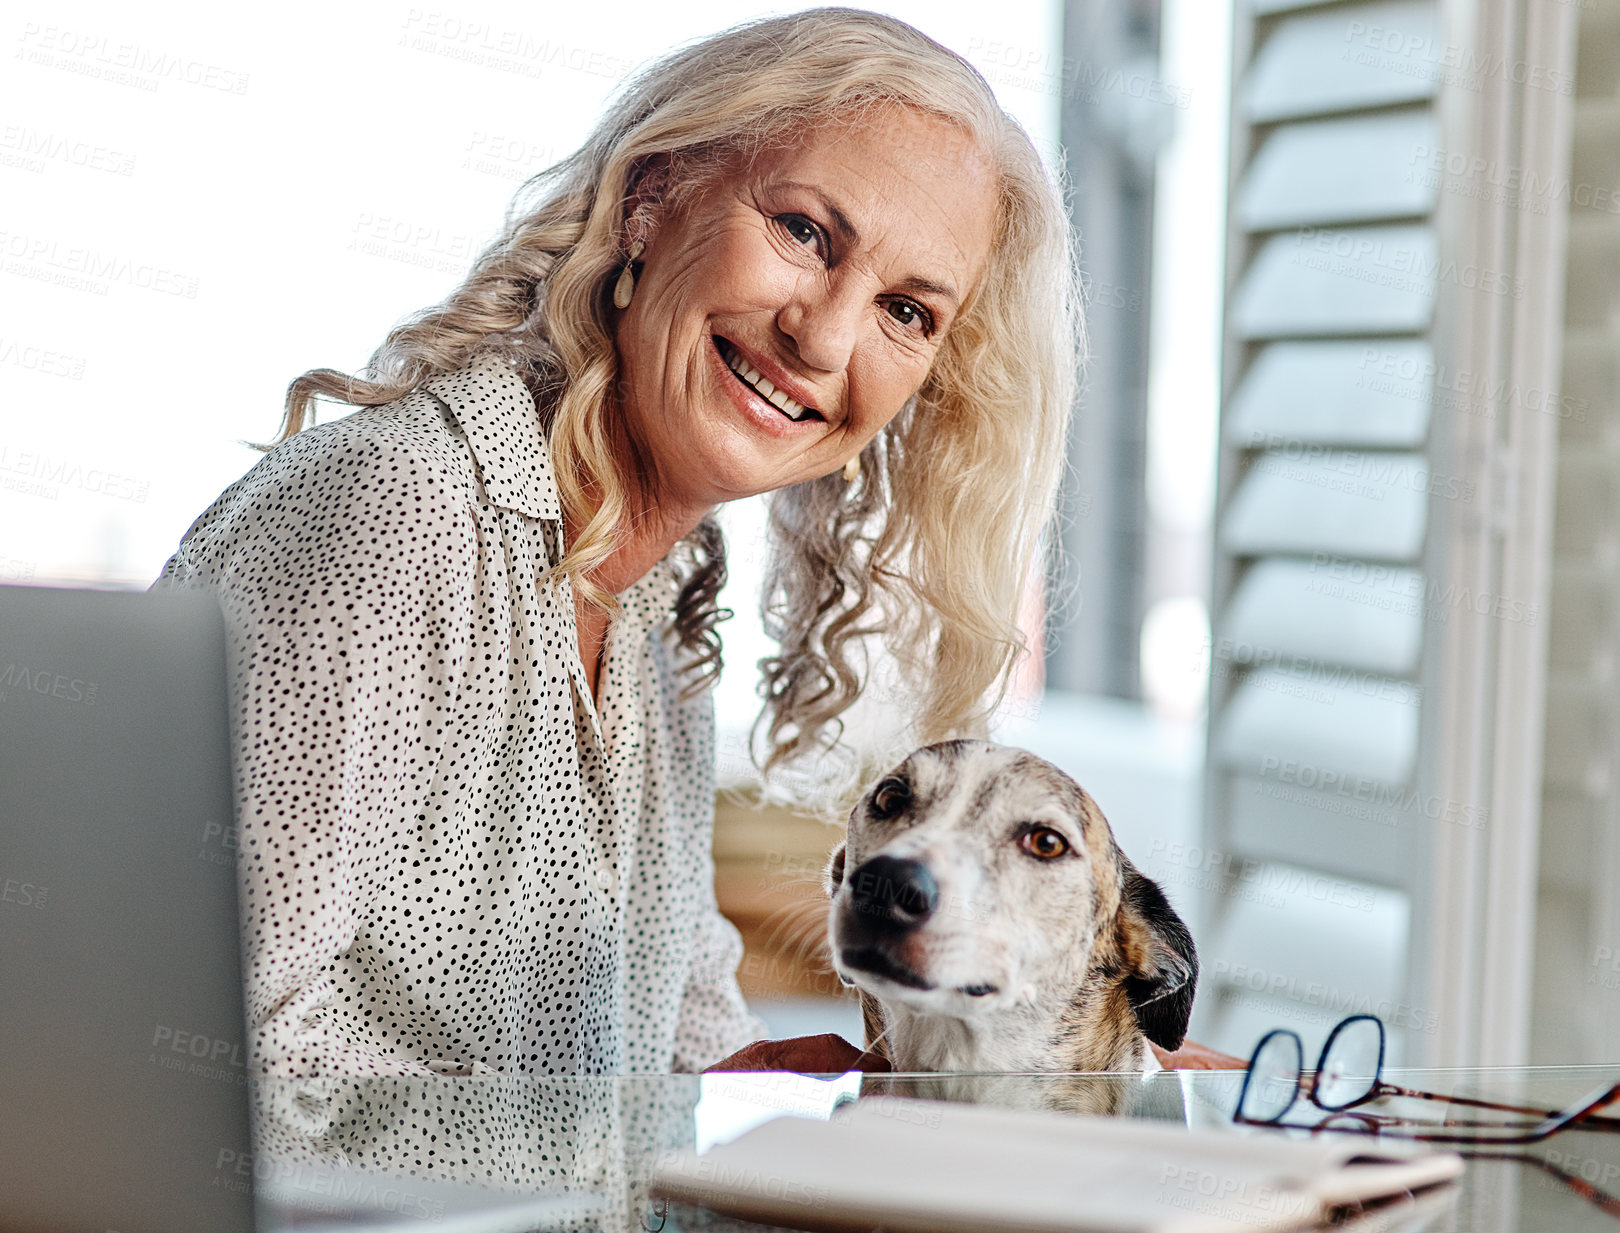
473 623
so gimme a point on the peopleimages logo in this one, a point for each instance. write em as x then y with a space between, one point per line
199 1055
1280 882
88 269
211 1049
42 474
32 149
1605 971
1374 472
23 893
1456 170
324 1191
1397 799
1464 389
1334 1003
42 360
504 48
1071 78
219 843
1378 260
1230 1198
1406 590
47 684
1303 676
761 1183
92 54
1417 53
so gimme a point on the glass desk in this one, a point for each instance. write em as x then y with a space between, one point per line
592 1142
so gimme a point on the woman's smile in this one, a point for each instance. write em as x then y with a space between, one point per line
746 397
749 370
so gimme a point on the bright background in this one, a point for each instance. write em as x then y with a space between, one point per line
350 182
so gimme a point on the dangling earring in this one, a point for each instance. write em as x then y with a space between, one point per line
626 286
852 469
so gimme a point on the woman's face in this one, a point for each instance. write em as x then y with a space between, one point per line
831 270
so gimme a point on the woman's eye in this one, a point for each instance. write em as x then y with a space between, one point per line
1044 843
910 315
800 228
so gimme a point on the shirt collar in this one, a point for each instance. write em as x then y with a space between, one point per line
496 412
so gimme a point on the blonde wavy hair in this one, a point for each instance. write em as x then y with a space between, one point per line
930 548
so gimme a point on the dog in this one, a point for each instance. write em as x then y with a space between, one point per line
989 921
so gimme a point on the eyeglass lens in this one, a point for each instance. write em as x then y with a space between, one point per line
1351 1061
1273 1077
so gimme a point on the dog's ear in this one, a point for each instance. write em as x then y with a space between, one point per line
1161 962
833 876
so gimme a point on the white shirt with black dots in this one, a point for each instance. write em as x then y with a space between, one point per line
451 860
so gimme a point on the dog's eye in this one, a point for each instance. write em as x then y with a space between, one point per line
890 797
1044 843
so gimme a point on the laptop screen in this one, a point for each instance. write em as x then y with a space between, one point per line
123 1078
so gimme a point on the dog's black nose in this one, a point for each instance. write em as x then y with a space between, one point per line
888 893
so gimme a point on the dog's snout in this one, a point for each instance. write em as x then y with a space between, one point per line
888 892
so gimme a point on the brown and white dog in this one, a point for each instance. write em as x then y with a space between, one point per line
991 923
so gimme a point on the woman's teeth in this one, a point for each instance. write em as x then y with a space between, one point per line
761 385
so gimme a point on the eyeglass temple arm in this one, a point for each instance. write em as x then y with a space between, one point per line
1578 1113
1599 1198
1391 1089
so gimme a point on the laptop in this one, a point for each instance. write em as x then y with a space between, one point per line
124 1094
122 1076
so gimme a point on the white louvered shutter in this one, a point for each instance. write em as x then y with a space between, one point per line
1357 799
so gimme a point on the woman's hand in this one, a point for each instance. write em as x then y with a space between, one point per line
828 1054
1193 1056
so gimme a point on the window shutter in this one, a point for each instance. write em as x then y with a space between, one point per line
1348 799
1576 1005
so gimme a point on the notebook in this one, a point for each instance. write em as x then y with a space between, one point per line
918 1166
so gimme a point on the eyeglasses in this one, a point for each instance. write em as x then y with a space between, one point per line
1349 1072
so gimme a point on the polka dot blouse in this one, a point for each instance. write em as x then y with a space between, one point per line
453 861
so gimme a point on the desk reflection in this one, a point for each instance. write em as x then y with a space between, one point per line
594 1142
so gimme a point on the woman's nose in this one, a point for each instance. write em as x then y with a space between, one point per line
823 320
